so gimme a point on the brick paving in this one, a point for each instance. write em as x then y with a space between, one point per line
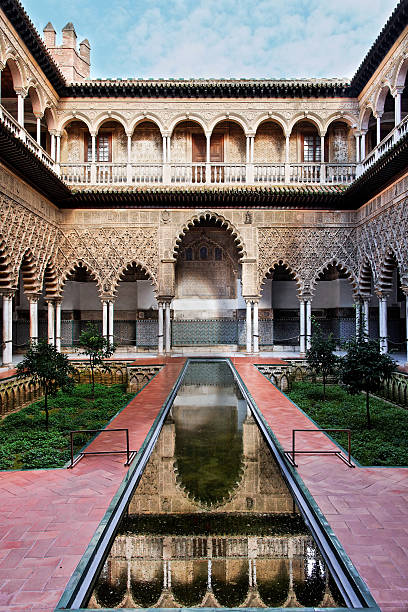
366 507
48 517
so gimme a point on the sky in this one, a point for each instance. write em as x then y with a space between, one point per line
219 38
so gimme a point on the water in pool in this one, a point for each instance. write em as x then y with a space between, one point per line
212 522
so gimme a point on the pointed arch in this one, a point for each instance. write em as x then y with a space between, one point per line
341 267
29 272
365 277
71 268
284 264
50 280
5 267
143 267
207 216
388 264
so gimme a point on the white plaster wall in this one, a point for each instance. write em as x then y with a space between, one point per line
80 296
333 294
208 308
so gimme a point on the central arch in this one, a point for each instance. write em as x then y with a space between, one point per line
208 303
207 216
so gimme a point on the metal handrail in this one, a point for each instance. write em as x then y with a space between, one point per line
291 454
130 455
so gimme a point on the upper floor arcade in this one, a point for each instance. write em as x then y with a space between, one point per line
196 132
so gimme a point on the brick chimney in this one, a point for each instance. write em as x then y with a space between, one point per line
69 36
49 35
74 66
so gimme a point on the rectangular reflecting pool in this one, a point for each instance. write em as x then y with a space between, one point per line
212 522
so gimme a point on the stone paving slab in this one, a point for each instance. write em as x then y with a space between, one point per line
366 507
48 517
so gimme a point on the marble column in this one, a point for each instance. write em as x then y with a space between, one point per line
160 338
397 111
33 302
366 317
52 146
363 145
51 322
383 332
20 108
58 143
302 338
308 323
168 328
379 128
255 329
164 145
405 290
8 328
248 326
38 120
104 318
58 325
110 321
406 321
359 330
357 137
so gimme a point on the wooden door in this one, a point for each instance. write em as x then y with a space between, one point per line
217 157
199 145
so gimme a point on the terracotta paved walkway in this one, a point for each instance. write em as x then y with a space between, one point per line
366 507
48 517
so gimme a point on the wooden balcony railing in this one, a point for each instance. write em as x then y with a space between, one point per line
19 132
173 173
206 174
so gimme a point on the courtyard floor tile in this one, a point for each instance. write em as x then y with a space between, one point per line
366 507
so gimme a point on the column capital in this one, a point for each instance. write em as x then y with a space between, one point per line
166 133
397 90
381 294
8 293
404 289
33 297
165 299
20 91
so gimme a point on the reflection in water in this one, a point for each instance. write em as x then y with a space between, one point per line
212 522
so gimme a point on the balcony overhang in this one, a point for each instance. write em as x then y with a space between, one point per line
378 176
243 196
15 155
21 160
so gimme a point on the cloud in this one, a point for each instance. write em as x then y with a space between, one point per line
221 38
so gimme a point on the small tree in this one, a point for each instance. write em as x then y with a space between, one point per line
320 357
97 348
49 368
364 368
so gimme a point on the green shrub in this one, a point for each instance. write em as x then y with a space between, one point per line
24 443
386 443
